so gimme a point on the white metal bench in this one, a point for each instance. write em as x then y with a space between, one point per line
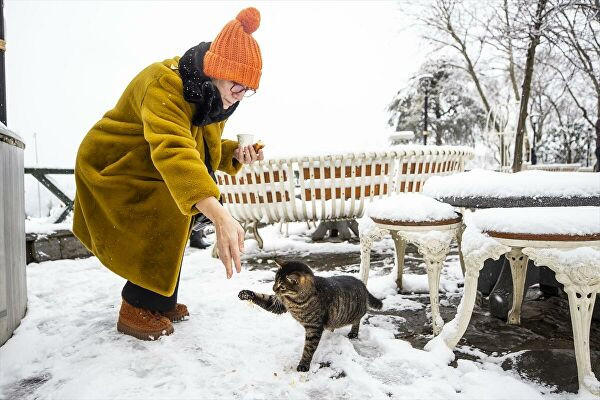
331 187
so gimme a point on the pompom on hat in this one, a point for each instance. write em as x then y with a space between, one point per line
234 55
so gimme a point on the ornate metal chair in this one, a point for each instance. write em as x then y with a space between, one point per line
565 239
413 218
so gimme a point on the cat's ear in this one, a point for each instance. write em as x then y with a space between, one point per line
279 265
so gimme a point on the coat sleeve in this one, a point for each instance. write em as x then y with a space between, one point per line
228 164
166 118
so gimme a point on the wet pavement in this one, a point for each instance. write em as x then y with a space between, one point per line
539 350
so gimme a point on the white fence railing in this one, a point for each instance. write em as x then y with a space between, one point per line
332 187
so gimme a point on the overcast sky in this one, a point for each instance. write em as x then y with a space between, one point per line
329 68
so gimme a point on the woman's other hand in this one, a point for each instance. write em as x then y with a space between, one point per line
247 154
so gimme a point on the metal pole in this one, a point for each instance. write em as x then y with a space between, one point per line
37 165
533 155
501 151
2 69
426 104
587 154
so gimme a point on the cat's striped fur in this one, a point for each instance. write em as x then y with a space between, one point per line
317 303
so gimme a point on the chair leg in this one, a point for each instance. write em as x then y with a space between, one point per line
434 253
459 233
581 283
343 229
366 243
458 326
254 230
518 268
455 329
321 231
581 305
353 225
400 246
434 268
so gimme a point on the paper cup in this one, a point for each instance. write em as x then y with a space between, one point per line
245 139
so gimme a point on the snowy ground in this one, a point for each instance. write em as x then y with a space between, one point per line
67 346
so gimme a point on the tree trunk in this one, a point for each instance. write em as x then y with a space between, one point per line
526 88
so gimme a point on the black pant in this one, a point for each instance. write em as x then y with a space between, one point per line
137 296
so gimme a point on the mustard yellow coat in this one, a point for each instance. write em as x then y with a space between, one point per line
139 172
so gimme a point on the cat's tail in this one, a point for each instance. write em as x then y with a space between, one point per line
374 302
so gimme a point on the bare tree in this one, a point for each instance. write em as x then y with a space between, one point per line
576 37
534 40
505 36
450 22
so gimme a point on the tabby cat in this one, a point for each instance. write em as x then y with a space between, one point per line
317 303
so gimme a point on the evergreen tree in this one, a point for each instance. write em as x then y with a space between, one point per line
454 115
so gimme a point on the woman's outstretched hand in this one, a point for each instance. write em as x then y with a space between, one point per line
230 242
247 154
229 234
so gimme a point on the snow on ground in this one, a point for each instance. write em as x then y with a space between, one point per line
45 225
67 346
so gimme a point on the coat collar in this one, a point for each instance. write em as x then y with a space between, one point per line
209 107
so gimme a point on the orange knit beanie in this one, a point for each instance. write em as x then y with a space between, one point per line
234 55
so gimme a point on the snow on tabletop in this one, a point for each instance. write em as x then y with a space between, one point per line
480 182
411 207
227 349
548 220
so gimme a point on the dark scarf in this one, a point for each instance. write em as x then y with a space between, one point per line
199 90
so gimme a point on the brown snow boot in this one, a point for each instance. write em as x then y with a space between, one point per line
142 324
179 313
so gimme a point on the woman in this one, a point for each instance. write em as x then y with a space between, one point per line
144 172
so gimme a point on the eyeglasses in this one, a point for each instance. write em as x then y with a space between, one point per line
236 88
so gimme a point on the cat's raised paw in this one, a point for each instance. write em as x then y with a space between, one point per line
353 335
246 295
302 368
